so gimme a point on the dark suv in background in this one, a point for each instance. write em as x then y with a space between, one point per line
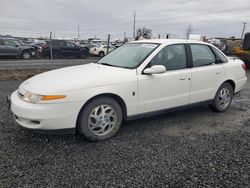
64 48
12 48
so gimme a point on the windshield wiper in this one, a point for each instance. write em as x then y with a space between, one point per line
107 64
114 65
110 65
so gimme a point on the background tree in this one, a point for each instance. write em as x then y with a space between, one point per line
189 30
144 32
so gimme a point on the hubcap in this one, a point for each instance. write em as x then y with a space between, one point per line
224 97
26 55
102 120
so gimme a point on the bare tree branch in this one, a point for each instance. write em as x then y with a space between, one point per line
189 30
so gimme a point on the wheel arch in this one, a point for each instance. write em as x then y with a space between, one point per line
26 50
101 51
116 97
231 82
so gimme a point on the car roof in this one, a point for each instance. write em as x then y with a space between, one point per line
169 41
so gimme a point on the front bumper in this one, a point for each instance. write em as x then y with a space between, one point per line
45 116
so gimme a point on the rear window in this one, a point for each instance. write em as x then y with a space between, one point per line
219 55
202 55
56 43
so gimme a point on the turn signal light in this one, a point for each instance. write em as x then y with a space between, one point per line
52 97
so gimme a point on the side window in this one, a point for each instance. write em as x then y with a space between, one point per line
220 56
9 43
202 55
69 44
173 57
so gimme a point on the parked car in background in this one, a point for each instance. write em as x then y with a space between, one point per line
117 44
64 48
135 80
38 48
14 48
101 50
99 42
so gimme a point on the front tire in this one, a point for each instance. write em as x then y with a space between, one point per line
84 54
100 119
101 54
223 98
26 54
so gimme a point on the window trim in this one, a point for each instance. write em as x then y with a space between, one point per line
187 58
217 58
10 41
191 55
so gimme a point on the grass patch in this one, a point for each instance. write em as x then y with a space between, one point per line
19 74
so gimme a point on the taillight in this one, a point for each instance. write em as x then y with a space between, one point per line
45 46
244 66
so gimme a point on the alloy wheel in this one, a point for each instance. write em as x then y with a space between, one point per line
102 120
224 97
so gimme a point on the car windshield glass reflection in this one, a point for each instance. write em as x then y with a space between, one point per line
129 55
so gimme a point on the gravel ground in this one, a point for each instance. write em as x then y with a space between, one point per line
189 148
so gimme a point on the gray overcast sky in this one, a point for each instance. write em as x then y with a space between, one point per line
100 17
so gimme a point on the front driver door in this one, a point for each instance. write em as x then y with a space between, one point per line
70 49
169 89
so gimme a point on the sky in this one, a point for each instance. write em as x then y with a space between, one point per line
34 18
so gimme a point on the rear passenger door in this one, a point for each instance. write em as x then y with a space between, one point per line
206 73
10 48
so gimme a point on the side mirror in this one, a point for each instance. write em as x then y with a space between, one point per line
17 45
156 69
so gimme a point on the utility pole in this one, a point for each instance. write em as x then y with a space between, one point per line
50 47
108 43
54 34
134 25
78 31
243 29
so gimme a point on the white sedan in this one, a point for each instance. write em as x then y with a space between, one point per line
137 79
101 50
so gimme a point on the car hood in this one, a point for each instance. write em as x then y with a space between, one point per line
77 77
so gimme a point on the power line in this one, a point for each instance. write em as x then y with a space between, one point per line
78 32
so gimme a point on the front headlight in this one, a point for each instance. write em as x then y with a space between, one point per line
35 98
31 98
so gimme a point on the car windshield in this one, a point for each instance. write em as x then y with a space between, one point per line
129 55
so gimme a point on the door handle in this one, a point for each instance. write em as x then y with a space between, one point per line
182 78
217 72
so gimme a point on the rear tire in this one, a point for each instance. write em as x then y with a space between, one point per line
100 119
223 98
84 54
